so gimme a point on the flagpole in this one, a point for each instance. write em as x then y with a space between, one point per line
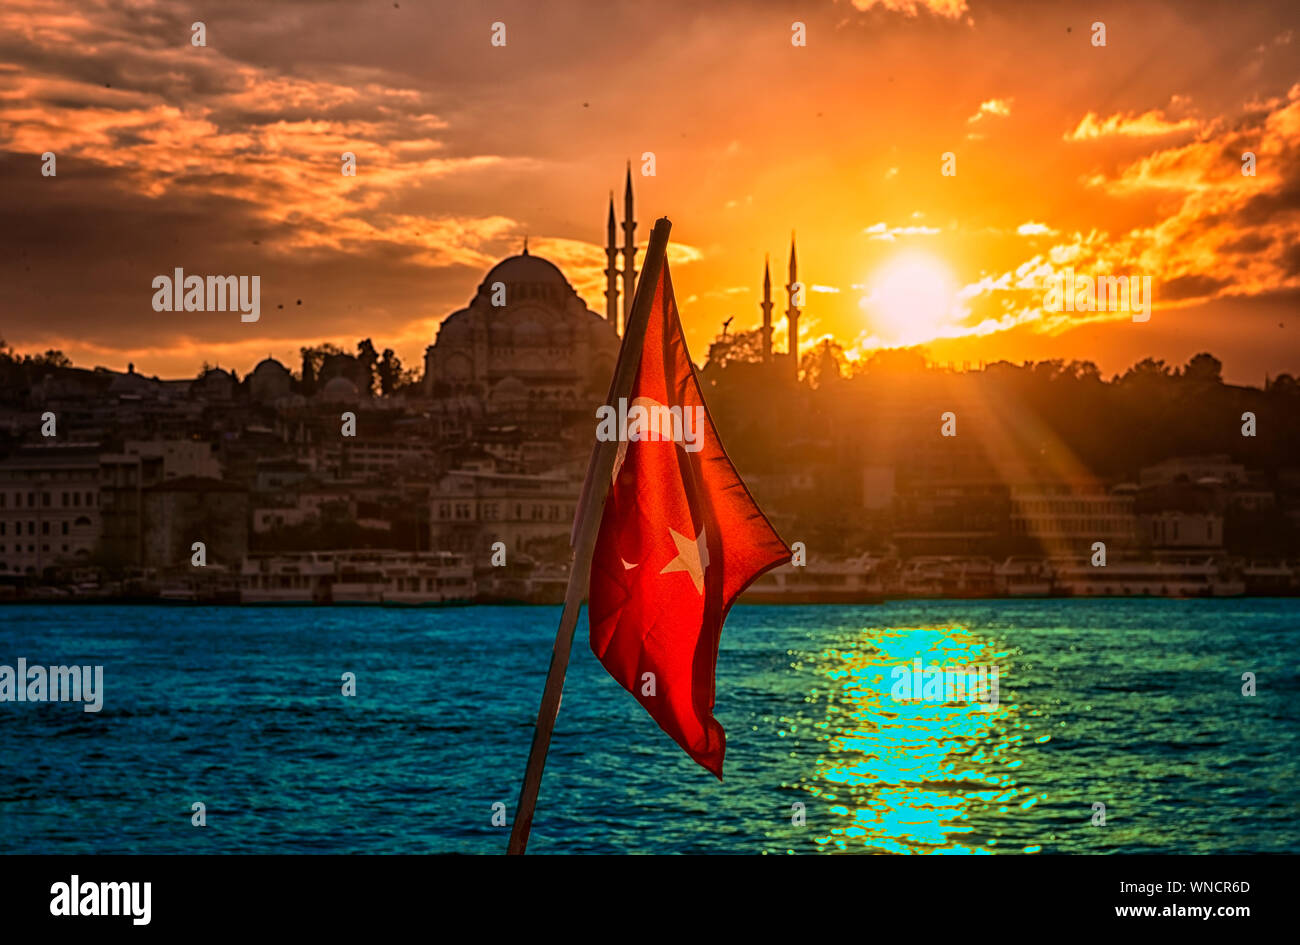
586 524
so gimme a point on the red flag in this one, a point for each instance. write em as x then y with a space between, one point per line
680 537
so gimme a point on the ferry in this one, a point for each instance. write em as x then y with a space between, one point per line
1024 577
431 578
949 576
290 578
924 576
1077 577
360 578
213 584
1270 578
820 581
393 578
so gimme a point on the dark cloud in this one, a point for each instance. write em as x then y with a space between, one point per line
1247 243
84 259
1266 207
1291 259
1190 287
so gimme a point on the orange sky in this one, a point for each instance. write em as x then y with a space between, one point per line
225 160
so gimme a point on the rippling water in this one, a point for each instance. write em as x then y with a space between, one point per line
1136 705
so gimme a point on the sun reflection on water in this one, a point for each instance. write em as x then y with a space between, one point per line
908 777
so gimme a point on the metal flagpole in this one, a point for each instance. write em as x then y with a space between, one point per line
586 526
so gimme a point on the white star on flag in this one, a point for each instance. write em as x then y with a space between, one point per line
692 557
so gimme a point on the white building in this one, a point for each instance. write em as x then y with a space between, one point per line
1069 517
470 509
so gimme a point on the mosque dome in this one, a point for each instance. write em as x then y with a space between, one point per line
339 390
269 367
269 381
525 269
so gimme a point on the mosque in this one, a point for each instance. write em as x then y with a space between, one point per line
536 343
543 344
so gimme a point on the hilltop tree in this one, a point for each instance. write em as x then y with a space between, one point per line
391 375
313 361
896 361
308 379
825 364
744 347
367 359
1148 369
1204 368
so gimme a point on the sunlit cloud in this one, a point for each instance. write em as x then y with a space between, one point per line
950 9
999 107
1149 124
880 231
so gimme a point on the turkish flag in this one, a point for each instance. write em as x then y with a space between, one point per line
680 537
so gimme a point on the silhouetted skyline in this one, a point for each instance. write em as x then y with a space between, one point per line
226 159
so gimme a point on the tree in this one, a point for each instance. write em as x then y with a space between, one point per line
744 347
896 361
308 372
1084 371
1204 368
50 359
367 358
390 373
409 377
825 364
1284 384
1147 369
313 361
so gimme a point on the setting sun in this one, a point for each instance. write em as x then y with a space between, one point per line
909 299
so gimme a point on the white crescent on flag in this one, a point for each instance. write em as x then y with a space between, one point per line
649 403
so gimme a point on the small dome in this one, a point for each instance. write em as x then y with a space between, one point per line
269 366
269 381
339 389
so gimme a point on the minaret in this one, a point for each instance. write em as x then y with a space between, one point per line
629 251
766 306
792 313
611 269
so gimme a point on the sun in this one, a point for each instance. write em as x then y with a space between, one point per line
910 299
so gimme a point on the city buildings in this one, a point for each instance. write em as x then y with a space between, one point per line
903 479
